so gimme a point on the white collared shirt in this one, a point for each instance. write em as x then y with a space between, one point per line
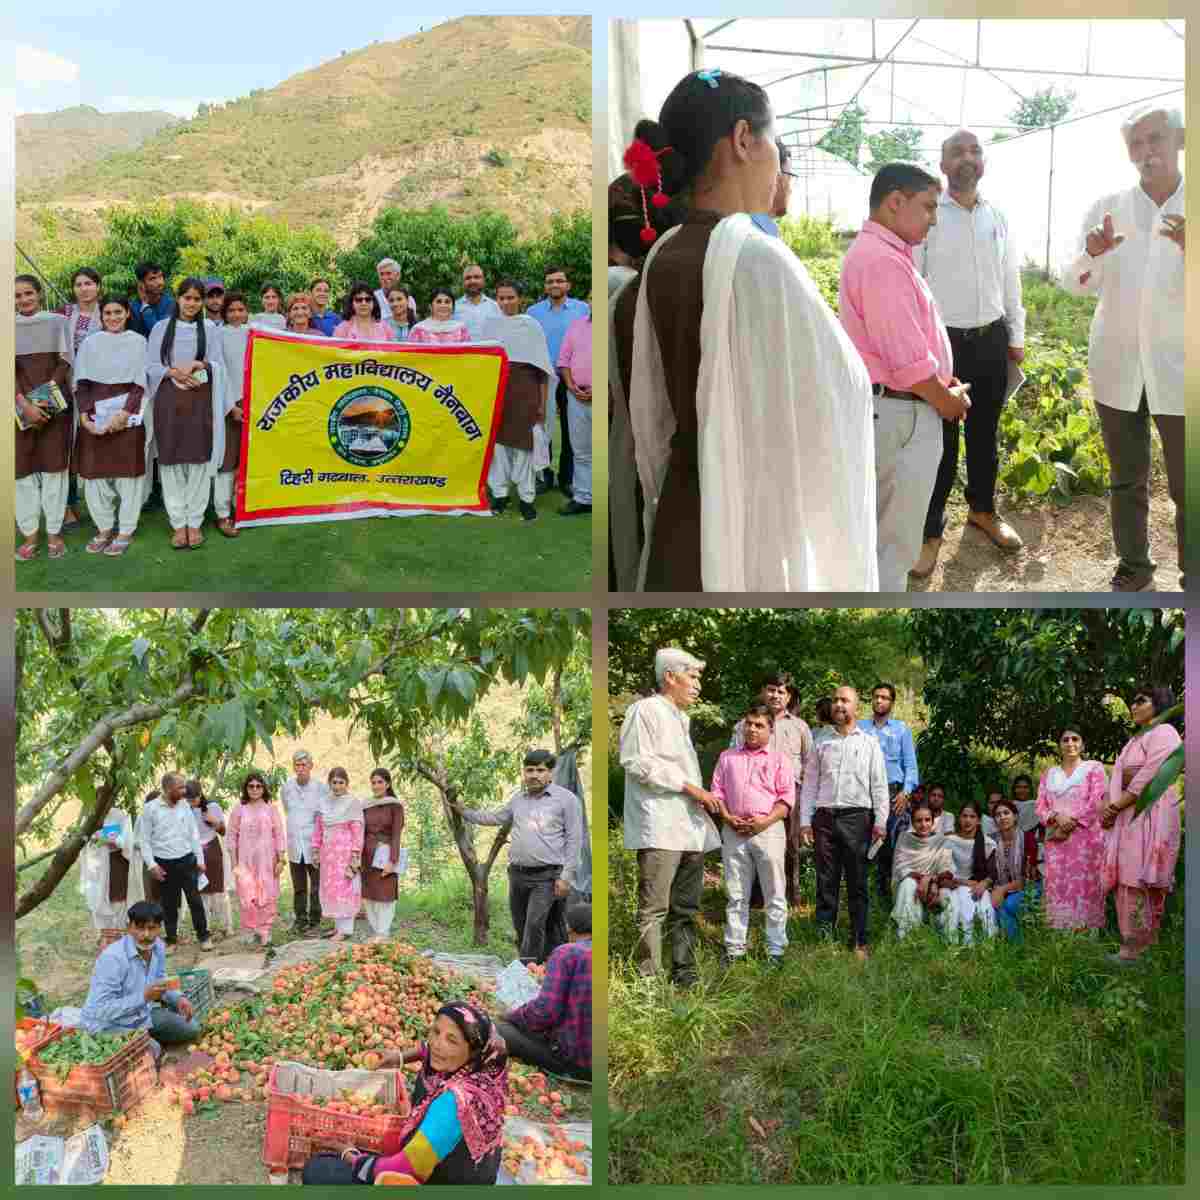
167 831
658 758
846 772
970 262
476 316
1137 337
300 806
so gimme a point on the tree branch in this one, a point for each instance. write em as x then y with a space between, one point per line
556 709
101 732
497 844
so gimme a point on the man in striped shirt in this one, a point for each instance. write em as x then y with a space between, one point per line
755 787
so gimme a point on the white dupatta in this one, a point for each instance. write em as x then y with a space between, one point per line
786 435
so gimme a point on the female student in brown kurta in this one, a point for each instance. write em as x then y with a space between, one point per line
383 821
43 447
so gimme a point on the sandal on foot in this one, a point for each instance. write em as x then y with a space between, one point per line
27 551
226 527
70 519
56 549
179 539
118 545
195 538
99 542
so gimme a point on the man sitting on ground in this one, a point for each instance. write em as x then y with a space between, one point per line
129 986
554 1029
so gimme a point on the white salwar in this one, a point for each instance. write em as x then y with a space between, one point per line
962 909
908 912
786 439
42 493
511 466
234 339
379 916
94 873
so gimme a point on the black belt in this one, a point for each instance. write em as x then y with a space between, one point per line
978 330
880 389
540 867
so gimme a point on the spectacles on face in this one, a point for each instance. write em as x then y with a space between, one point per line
789 174
362 299
255 785
1140 700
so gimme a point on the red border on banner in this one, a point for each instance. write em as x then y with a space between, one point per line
365 506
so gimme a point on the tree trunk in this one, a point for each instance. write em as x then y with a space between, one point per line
479 897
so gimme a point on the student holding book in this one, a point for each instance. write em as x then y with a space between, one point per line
45 420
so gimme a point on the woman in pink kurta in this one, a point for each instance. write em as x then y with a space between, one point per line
440 328
337 849
257 849
1069 800
1140 851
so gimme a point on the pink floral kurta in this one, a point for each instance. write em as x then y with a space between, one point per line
1073 882
255 839
1141 852
341 898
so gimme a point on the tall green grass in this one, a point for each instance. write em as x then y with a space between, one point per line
995 1064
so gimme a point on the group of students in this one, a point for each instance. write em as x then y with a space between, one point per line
113 390
850 790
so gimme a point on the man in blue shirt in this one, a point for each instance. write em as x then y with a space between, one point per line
554 315
128 989
896 741
154 302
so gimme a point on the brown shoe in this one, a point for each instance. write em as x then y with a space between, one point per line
226 527
999 530
194 538
930 550
179 539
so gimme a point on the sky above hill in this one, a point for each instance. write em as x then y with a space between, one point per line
120 56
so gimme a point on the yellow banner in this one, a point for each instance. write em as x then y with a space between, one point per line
336 429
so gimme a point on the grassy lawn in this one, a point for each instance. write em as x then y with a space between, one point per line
997 1064
440 554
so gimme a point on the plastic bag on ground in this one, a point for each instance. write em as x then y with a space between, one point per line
518 1128
515 986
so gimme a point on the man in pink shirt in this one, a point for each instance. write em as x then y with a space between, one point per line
575 363
893 320
755 788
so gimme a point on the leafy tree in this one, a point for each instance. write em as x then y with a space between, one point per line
1045 107
901 144
120 698
845 137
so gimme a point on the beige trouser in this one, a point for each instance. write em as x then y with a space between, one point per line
185 494
43 492
379 915
113 499
510 465
223 492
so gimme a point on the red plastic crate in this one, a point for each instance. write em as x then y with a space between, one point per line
47 1032
296 1130
113 1086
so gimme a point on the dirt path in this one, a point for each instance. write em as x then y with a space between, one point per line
1068 548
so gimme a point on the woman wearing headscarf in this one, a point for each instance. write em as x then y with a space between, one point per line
747 398
257 850
383 826
921 858
338 849
185 376
1016 867
1140 851
43 434
455 1131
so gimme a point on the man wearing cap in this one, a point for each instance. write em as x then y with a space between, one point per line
302 798
473 308
543 857
668 815
214 297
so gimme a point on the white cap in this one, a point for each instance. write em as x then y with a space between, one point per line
672 658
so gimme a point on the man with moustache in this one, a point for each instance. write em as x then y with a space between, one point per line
892 318
668 815
473 308
970 261
1131 256
791 736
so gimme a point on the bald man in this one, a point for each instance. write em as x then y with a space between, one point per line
473 308
972 266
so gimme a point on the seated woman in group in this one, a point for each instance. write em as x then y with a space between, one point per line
271 316
921 857
299 315
110 452
974 874
455 1130
399 320
440 326
185 376
43 436
363 321
1016 865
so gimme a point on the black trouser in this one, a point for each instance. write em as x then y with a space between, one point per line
536 1049
537 913
980 359
887 849
840 840
181 879
566 456
306 892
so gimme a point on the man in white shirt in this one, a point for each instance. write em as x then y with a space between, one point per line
388 270
302 797
971 263
1131 253
667 815
844 809
170 842
473 308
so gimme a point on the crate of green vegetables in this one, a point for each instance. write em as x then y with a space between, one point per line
106 1072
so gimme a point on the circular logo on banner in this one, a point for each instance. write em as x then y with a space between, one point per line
369 426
